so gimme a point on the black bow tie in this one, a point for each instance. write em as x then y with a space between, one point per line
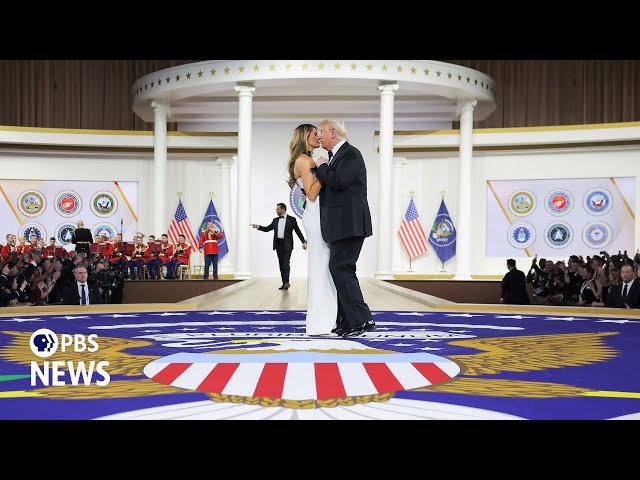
310 153
330 154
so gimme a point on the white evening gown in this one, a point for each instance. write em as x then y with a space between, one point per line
322 298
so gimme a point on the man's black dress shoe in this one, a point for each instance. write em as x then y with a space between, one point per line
355 331
370 326
281 287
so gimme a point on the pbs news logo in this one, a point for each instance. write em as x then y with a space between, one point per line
45 343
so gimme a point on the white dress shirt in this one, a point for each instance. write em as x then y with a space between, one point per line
335 149
86 292
281 224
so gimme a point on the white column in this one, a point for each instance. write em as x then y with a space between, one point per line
396 220
243 214
385 234
226 265
463 222
160 215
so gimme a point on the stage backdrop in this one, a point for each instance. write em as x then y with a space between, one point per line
51 208
560 217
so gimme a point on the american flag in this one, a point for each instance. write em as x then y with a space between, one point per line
180 225
411 232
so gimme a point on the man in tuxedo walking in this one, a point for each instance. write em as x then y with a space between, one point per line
283 227
345 222
82 238
80 292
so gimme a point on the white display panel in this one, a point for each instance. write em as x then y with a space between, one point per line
560 217
52 208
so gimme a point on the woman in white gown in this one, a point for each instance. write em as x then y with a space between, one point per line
322 299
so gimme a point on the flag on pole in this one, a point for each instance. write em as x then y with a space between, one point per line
212 216
443 234
180 225
411 232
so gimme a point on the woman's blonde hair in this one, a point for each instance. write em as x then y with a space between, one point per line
297 147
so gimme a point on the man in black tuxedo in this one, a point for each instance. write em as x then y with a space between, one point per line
82 238
80 292
345 222
514 286
283 227
627 294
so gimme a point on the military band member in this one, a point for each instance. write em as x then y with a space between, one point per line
22 247
162 258
117 257
82 237
181 253
138 258
209 246
9 248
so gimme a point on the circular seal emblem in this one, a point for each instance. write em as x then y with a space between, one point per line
558 235
104 204
521 235
68 203
522 202
104 228
32 228
295 200
596 235
32 203
559 202
598 201
64 233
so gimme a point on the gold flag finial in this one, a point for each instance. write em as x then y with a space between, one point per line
211 194
179 194
443 193
411 193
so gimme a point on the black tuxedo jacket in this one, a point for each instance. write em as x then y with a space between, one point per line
82 235
514 288
614 297
290 225
344 209
70 295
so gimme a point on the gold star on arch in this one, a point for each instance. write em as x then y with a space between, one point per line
369 67
168 79
468 79
212 71
159 81
200 73
438 73
287 66
321 66
305 66
256 68
337 66
188 75
413 70
152 84
399 68
481 84
426 71
226 70
177 78
145 87
354 66
385 68
240 69
459 77
272 67
449 75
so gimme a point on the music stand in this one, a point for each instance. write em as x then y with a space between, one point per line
103 248
155 247
93 248
60 252
49 252
129 247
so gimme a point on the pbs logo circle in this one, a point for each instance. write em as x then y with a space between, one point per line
43 343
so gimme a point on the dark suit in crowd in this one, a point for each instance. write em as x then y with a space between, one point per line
615 298
514 288
71 294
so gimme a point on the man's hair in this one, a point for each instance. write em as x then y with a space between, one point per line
511 263
52 238
335 126
282 206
